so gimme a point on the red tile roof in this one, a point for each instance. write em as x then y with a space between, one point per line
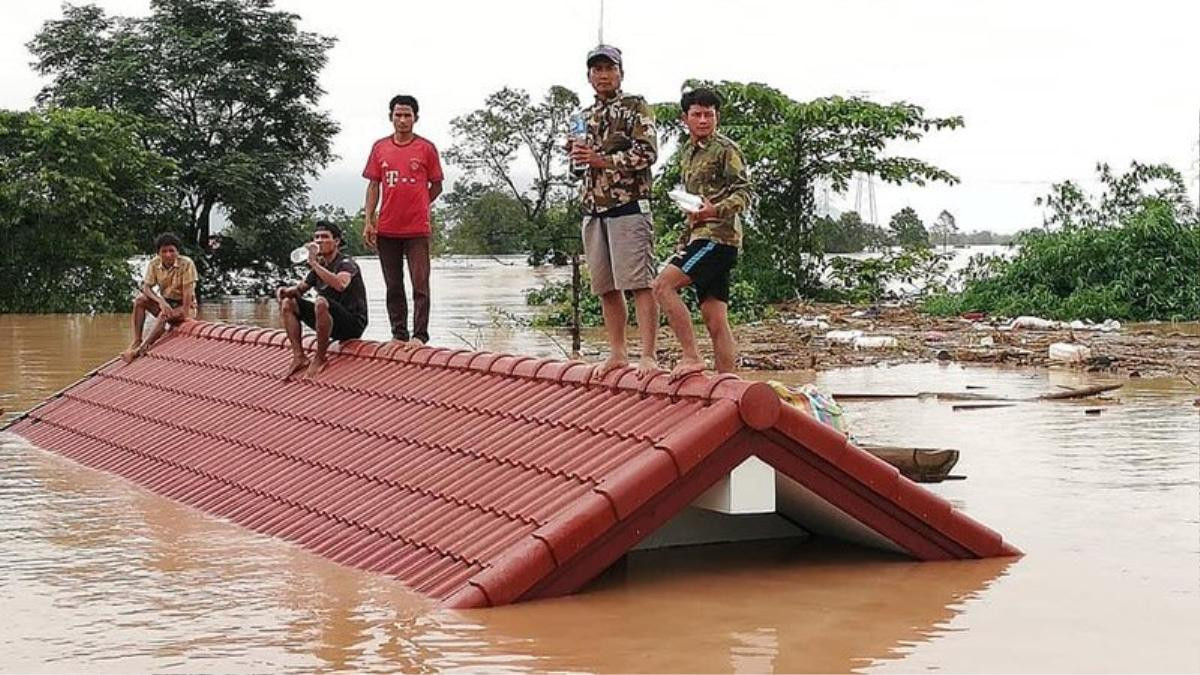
475 478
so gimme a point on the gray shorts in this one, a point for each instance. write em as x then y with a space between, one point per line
619 252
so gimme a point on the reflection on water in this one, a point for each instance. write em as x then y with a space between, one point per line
105 576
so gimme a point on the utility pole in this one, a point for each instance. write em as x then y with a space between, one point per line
576 285
600 29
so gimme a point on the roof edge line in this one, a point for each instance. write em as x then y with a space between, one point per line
933 517
721 386
597 554
515 571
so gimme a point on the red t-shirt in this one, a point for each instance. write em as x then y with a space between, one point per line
404 173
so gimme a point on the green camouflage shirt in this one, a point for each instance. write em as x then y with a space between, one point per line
715 168
622 127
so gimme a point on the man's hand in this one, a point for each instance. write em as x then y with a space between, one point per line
369 233
706 213
585 154
285 292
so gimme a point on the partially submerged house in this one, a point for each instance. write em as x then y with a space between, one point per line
481 479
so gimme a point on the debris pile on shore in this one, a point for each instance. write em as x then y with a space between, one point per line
825 336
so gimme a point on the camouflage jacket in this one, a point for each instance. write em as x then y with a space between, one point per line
715 168
622 128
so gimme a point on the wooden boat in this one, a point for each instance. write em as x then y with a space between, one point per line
923 465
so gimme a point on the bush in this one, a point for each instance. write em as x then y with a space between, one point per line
1148 267
746 305
868 280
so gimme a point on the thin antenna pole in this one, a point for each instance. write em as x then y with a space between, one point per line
600 29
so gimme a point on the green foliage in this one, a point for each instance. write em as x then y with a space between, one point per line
227 89
789 146
872 280
907 230
1132 254
554 299
483 220
1122 197
847 234
981 238
79 195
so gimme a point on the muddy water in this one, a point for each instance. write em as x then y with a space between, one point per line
99 575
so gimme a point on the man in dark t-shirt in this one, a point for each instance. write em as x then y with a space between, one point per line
340 309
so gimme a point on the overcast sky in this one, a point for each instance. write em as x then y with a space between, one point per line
1047 88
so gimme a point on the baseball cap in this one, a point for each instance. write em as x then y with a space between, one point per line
330 227
604 51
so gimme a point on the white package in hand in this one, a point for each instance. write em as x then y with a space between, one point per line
686 200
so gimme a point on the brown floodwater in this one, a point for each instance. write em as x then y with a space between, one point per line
99 575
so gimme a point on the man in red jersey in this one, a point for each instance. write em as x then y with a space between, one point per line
404 168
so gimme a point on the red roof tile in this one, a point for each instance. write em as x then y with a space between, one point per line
478 479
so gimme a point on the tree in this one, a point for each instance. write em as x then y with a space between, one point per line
1123 196
482 219
907 229
789 145
944 227
510 131
228 89
79 195
847 234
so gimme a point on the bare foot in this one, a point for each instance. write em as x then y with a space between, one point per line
685 367
647 366
130 354
610 364
402 344
315 367
415 343
299 363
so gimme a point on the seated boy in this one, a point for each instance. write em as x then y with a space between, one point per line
168 292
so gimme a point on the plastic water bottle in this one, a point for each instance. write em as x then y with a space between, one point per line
578 131
300 254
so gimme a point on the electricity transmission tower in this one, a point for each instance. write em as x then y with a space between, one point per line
864 185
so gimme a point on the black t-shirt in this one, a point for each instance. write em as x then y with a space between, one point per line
354 298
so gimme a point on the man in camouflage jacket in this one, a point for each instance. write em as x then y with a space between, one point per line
614 161
713 168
